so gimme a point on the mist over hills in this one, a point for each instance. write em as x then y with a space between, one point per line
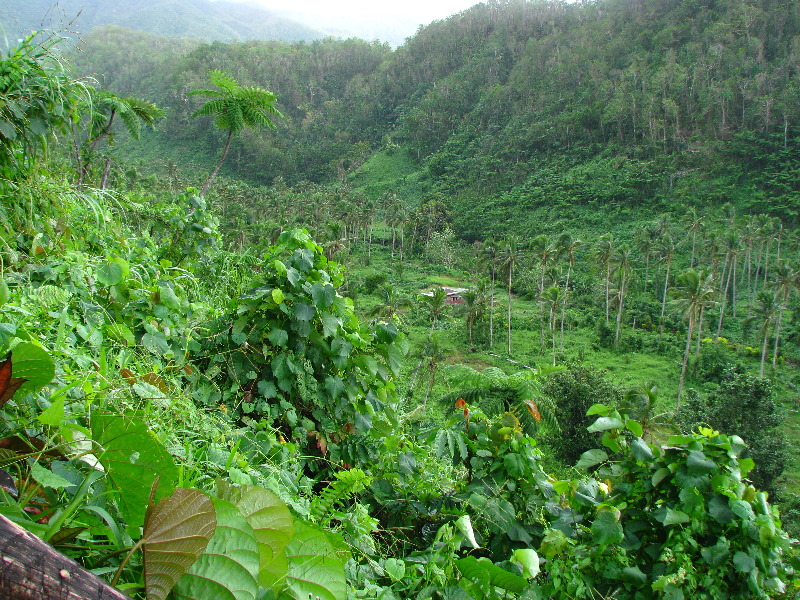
198 19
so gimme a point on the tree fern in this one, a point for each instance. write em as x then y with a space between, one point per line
495 392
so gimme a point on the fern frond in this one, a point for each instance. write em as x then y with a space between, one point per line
347 484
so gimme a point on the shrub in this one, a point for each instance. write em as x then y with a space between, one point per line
573 391
743 405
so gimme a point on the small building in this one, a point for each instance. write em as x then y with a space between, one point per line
454 296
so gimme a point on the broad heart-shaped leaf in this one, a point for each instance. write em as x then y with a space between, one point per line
698 464
267 515
323 294
228 568
133 458
110 273
32 363
591 458
606 528
641 450
176 533
316 565
482 569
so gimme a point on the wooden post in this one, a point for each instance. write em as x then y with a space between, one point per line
30 569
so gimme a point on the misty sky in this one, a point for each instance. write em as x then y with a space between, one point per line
422 11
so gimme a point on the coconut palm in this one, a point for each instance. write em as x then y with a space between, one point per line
234 107
730 245
786 280
435 302
694 223
567 245
509 255
622 266
392 306
552 298
695 291
667 248
604 250
474 307
490 258
764 314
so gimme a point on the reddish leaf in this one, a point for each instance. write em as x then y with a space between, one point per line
534 410
8 384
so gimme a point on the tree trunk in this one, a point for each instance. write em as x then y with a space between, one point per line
564 306
664 306
491 313
697 345
510 270
685 358
213 175
724 301
777 338
106 169
764 351
32 570
619 311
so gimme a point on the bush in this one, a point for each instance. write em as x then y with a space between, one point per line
573 391
743 405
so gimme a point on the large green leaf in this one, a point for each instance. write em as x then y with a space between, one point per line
176 533
316 565
229 567
110 273
482 569
605 424
267 515
32 363
133 458
606 527
591 458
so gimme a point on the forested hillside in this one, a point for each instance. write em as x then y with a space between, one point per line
516 105
510 312
197 19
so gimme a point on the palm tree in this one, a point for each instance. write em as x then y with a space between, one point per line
102 108
435 302
622 263
495 393
604 252
509 254
730 240
694 223
640 405
695 291
645 242
667 251
764 315
490 257
234 107
392 306
430 354
567 245
474 307
787 280
552 296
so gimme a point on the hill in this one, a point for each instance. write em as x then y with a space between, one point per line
511 108
196 19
